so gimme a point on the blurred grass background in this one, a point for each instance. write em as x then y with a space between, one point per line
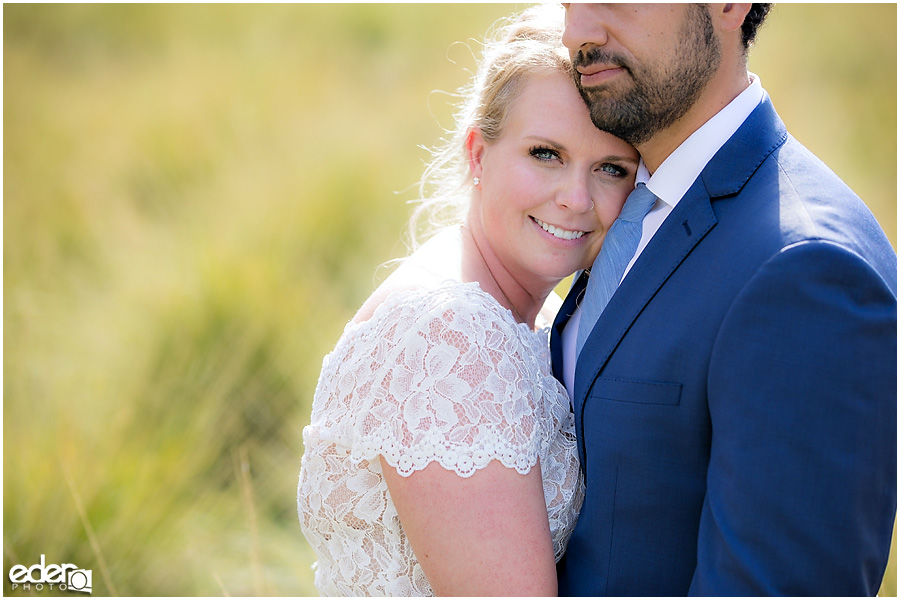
196 198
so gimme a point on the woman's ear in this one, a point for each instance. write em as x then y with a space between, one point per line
474 151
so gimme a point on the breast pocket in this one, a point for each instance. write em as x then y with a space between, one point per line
636 392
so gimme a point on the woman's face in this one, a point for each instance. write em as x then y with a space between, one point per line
551 185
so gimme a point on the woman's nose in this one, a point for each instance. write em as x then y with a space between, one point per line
575 195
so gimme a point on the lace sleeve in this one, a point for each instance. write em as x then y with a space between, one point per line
442 378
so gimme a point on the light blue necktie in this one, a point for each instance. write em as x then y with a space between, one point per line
619 247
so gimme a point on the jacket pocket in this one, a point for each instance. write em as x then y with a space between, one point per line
636 392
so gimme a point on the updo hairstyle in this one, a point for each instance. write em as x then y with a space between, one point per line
520 48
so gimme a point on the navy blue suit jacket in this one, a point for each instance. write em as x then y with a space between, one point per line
736 402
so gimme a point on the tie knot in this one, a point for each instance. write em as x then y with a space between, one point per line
638 204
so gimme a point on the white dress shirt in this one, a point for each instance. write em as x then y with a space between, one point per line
669 183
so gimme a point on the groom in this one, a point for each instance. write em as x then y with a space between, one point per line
735 400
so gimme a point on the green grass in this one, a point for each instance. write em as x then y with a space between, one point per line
196 199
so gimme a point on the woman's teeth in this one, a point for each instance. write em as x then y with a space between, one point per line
564 234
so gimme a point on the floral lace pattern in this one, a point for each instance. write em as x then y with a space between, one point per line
445 376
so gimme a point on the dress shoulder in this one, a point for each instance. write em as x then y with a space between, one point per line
442 375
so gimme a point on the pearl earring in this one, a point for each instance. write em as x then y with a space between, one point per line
476 181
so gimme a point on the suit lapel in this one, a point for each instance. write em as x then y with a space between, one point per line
761 134
682 230
559 323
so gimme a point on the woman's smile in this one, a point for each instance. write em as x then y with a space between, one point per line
559 232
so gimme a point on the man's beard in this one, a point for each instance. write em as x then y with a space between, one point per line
657 98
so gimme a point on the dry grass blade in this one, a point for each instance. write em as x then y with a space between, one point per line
92 538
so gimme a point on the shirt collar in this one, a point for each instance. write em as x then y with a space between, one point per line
679 171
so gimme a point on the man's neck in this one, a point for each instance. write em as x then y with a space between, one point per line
719 92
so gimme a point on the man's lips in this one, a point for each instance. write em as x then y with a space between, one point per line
597 74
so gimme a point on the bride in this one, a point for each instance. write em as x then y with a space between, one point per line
440 456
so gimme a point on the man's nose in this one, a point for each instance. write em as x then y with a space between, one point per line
584 27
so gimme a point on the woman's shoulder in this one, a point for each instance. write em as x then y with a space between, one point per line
430 280
455 303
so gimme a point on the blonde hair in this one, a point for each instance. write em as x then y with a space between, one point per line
521 47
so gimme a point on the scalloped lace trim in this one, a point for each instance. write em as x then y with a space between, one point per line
443 375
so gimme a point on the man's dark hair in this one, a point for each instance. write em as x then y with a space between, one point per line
753 20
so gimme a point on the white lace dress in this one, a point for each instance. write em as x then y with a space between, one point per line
442 375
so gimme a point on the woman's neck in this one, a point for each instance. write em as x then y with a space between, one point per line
480 263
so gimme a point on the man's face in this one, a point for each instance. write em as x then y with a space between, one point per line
640 68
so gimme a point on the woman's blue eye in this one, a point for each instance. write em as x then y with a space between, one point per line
542 153
614 170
